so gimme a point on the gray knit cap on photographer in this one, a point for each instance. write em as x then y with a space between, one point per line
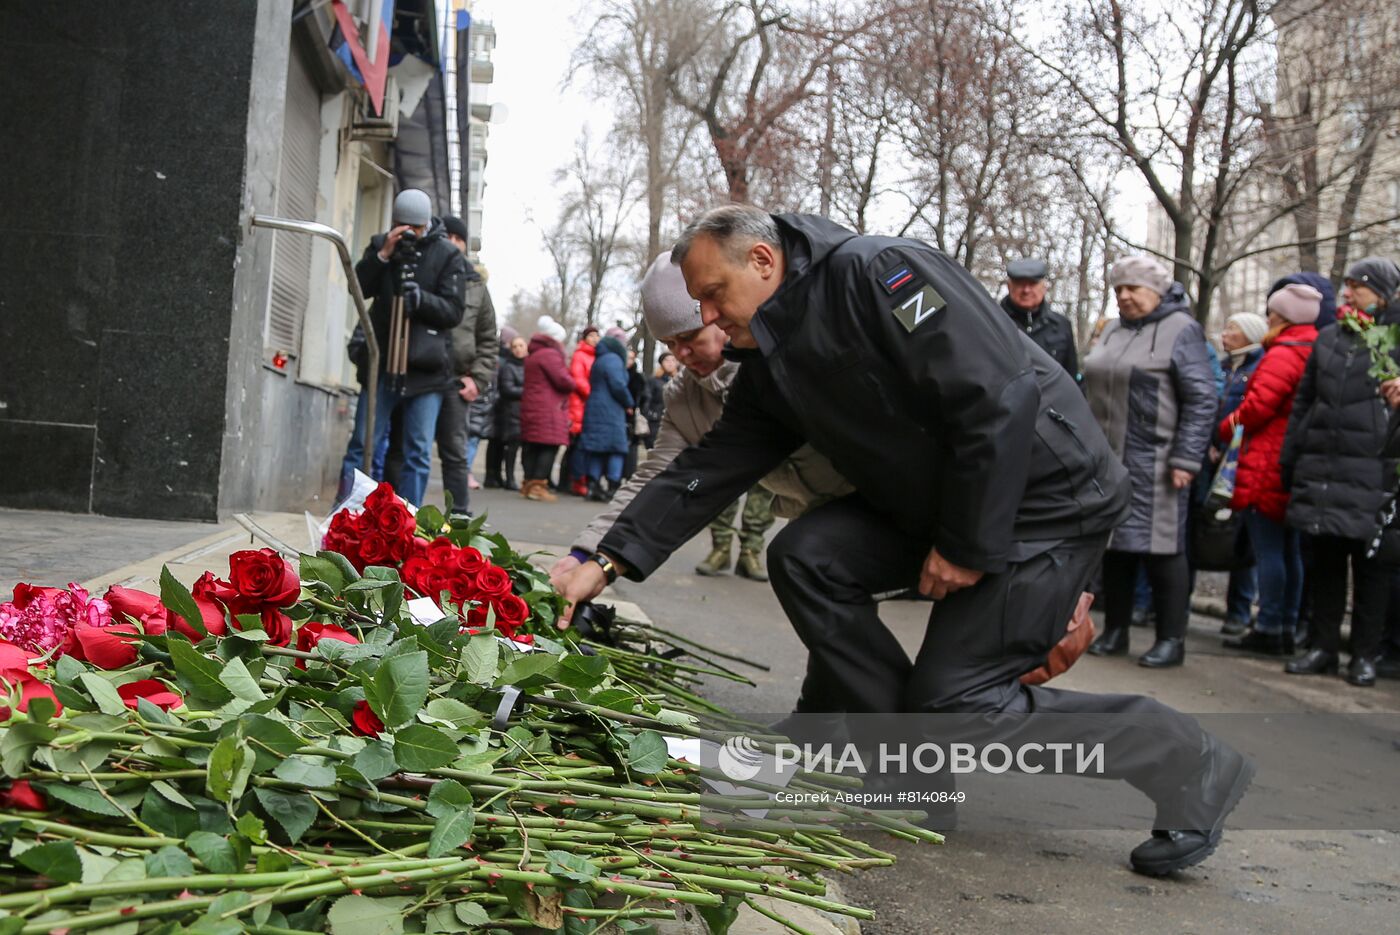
666 307
1377 273
1141 271
413 206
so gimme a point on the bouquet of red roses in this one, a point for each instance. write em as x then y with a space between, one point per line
381 534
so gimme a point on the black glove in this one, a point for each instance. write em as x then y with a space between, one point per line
412 297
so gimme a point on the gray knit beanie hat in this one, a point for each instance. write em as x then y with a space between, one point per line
413 206
1141 271
667 308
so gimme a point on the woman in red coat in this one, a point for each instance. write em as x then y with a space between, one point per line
581 369
544 408
1259 490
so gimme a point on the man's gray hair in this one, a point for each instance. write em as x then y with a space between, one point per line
735 228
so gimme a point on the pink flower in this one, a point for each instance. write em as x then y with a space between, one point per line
42 620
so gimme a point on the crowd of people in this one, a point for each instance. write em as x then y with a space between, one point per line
1283 402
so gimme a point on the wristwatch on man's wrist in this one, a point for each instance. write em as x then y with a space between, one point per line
605 563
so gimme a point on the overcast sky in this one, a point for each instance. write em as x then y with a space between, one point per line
533 44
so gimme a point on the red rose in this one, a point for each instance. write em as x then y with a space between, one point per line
313 632
209 609
156 692
277 626
400 549
494 581
417 547
382 496
364 721
375 548
24 593
106 647
527 639
13 659
415 573
262 579
135 604
476 617
22 795
471 563
394 521
511 612
29 689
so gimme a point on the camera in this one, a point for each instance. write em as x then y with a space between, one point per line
406 250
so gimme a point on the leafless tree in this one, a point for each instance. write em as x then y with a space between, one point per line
603 190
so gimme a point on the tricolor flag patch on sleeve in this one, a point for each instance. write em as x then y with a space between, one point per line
896 279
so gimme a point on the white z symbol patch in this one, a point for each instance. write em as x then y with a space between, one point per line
918 307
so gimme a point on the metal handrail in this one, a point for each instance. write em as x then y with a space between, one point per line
371 342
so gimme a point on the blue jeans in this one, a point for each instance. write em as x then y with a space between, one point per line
605 464
1242 593
1279 563
419 416
473 442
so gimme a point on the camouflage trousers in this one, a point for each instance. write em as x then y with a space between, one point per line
757 520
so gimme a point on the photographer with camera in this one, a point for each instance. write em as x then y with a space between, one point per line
416 279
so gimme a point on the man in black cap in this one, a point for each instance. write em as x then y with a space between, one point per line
1025 303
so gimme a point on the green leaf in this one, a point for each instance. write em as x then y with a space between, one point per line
340 562
41 710
316 568
89 800
237 679
431 520
614 699
472 913
252 828
582 672
450 832
197 673
169 861
166 817
310 771
269 740
479 659
720 918
177 598
19 743
527 666
570 866
375 761
448 796
172 794
400 688
294 812
578 925
67 669
11 925
58 861
361 915
102 692
453 713
419 747
647 752
229 762
214 851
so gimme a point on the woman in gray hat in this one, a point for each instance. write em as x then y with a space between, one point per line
1150 385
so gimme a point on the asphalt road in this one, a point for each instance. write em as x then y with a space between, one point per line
1055 881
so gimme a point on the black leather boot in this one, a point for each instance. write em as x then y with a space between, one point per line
1165 653
1361 672
1269 644
1313 662
1224 776
1110 643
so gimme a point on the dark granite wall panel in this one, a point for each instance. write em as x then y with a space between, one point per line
45 466
123 143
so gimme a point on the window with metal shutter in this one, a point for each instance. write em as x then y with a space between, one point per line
299 180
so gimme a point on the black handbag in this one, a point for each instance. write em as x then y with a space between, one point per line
1218 540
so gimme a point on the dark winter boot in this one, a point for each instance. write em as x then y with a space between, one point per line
1110 643
1165 653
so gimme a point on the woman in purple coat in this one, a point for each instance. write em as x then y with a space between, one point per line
544 408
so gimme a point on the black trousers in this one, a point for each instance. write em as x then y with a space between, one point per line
827 568
500 459
1170 577
537 461
451 446
1370 596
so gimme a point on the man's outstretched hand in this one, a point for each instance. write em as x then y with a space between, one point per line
582 583
941 577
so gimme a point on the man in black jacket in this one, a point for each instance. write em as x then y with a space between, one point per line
1025 303
433 288
980 475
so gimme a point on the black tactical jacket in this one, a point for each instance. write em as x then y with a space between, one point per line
1049 329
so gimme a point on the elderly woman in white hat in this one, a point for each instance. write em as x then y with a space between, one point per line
1150 384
